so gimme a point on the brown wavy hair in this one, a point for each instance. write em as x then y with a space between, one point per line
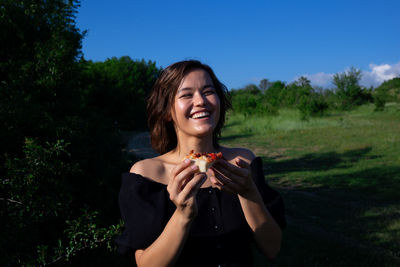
161 100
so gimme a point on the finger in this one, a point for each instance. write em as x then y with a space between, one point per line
228 187
186 175
224 183
239 177
193 186
226 168
219 177
242 163
176 183
211 173
180 167
184 180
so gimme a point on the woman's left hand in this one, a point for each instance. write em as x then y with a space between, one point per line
234 179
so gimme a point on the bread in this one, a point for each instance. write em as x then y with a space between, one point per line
203 160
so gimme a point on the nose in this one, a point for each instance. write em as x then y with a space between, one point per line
199 99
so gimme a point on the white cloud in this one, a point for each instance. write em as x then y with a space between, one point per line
320 79
376 75
379 74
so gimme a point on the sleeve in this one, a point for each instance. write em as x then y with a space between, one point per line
272 198
145 209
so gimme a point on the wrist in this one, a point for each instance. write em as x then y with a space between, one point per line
251 192
184 219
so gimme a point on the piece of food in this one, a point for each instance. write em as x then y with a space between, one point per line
203 160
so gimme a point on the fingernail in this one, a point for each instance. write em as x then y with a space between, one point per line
187 161
194 167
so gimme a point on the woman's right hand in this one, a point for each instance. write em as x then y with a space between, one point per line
183 186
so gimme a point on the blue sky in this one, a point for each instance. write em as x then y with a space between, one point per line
246 41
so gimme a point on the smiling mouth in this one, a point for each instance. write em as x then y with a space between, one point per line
201 115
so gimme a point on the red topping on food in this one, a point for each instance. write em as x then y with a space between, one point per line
209 156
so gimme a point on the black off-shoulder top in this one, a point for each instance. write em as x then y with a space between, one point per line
219 235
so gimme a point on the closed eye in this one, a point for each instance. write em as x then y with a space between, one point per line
209 91
185 96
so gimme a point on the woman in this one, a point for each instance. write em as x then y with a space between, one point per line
177 216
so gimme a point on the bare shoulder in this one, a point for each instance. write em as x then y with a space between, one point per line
244 153
151 168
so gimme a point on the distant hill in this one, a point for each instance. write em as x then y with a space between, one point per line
391 88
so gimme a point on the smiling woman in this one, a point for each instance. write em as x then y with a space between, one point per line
172 85
178 215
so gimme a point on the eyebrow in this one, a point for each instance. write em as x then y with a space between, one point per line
190 88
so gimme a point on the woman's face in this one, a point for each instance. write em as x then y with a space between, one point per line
196 107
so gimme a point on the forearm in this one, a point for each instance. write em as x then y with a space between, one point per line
165 250
266 231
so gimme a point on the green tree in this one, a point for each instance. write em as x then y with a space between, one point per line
274 94
58 159
252 89
118 88
38 72
303 82
264 85
388 91
348 90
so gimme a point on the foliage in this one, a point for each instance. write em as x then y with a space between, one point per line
300 94
82 233
250 101
312 105
118 87
348 90
264 85
274 94
269 97
380 98
38 87
43 190
60 149
388 91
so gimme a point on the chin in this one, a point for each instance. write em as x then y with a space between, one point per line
201 134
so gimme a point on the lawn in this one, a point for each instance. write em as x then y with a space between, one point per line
340 179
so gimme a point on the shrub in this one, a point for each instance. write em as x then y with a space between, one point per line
312 105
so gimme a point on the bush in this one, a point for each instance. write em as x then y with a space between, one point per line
60 153
380 101
248 103
312 105
389 91
118 88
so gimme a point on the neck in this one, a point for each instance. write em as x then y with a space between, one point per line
197 144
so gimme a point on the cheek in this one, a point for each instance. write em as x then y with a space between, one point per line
217 105
180 109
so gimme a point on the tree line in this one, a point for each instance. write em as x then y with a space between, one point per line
268 97
61 145
60 139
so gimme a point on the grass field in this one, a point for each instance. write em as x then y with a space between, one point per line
340 179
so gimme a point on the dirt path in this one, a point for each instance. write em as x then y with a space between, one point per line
139 145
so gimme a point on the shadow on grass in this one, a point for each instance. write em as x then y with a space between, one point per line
234 136
381 182
354 213
317 161
231 123
378 182
357 225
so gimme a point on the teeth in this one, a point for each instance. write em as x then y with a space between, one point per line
200 114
